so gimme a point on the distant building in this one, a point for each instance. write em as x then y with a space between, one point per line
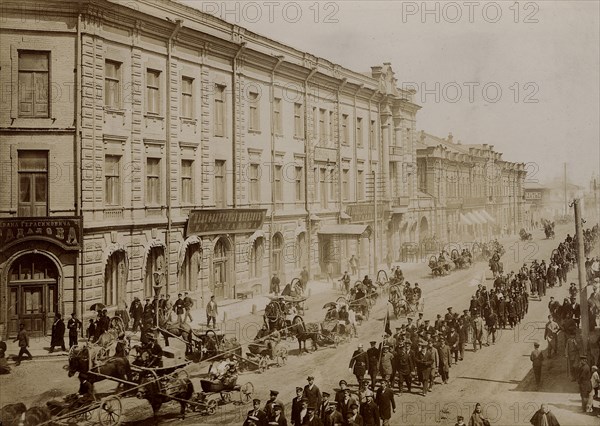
477 193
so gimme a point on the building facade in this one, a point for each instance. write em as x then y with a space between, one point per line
149 147
153 146
477 194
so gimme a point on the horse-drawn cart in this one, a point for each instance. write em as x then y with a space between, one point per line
281 311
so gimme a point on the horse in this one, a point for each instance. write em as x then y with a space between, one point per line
169 329
116 367
496 266
298 330
157 392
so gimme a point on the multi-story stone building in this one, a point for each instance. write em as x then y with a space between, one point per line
477 193
148 144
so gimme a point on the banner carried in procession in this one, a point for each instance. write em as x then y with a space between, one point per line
225 221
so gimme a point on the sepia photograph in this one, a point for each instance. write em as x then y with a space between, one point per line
300 212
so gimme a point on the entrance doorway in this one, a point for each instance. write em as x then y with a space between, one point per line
221 264
33 294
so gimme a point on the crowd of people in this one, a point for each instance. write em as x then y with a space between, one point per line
420 353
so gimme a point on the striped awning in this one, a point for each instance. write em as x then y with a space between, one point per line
473 218
479 216
464 220
488 216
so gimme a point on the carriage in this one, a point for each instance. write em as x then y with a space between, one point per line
281 310
358 303
461 261
549 230
264 349
438 268
524 235
399 302
209 344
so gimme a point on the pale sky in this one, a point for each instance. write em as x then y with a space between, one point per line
554 61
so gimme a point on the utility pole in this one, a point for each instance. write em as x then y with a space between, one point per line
375 223
583 304
565 189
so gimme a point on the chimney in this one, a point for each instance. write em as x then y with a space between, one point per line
450 137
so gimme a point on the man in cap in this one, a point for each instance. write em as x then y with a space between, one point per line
345 406
256 415
449 317
436 360
332 417
278 418
311 418
352 417
339 395
297 406
405 365
551 335
359 363
410 326
428 328
270 404
424 361
445 359
312 393
537 358
385 364
369 411
325 403
179 308
301 412
373 356
584 382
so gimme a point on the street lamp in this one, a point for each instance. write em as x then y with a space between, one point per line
158 275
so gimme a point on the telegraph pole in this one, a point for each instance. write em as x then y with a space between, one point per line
585 323
375 223
565 188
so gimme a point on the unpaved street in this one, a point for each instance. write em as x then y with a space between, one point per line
499 376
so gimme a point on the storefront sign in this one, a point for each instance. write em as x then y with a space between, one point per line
228 221
366 212
64 231
533 195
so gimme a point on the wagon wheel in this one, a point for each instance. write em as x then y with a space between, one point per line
246 392
226 396
263 364
211 406
110 411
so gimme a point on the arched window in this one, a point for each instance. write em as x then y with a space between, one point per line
256 258
155 264
301 251
188 274
221 265
277 253
115 278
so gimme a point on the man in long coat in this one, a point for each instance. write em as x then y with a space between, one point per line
359 363
405 364
385 402
585 384
373 355
444 357
58 333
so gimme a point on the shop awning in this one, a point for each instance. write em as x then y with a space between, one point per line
488 216
473 218
464 220
349 230
479 216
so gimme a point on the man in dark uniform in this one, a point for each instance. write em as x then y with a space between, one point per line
373 356
385 402
270 404
297 406
136 311
359 363
155 351
404 361
424 361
